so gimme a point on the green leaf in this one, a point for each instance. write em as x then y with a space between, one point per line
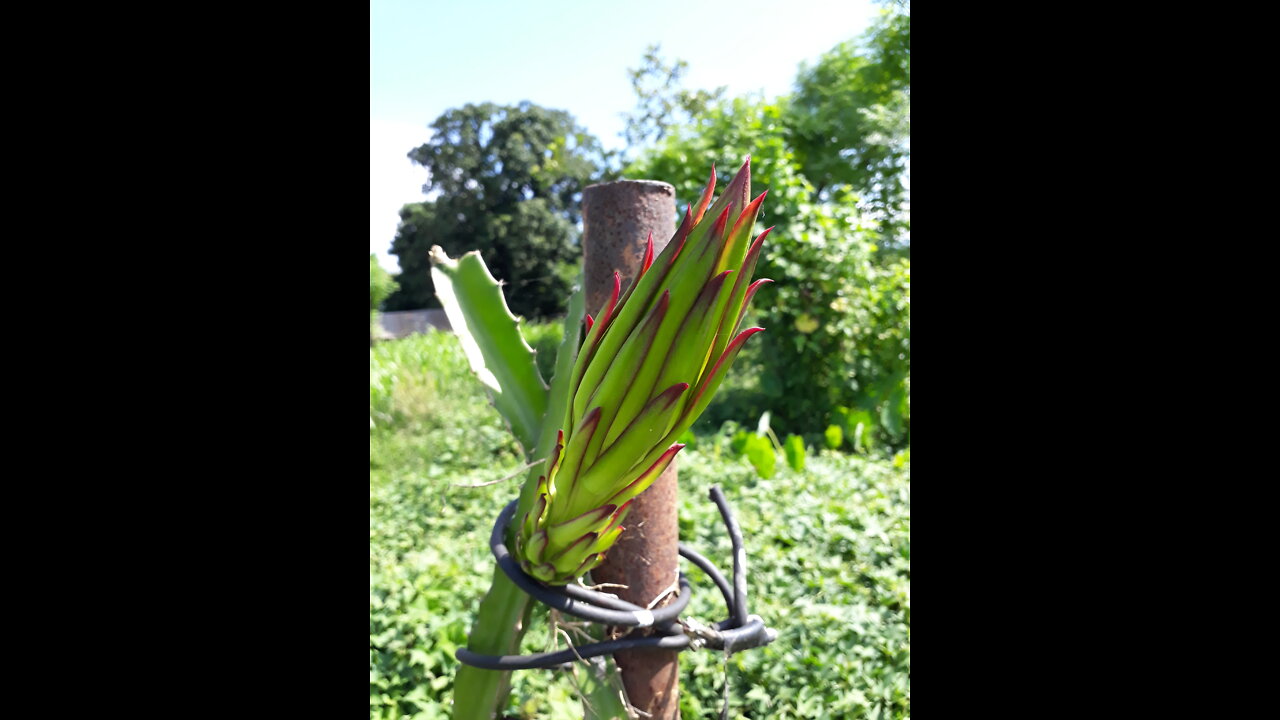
558 397
761 456
688 439
860 425
499 625
834 436
894 409
794 448
490 337
477 305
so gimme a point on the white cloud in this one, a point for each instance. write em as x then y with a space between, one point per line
393 181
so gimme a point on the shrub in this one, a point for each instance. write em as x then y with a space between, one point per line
380 287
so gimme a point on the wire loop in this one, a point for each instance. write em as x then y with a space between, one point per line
738 632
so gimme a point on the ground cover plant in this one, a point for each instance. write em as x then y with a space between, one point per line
830 566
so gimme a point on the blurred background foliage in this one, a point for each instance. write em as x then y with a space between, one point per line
849 122
380 287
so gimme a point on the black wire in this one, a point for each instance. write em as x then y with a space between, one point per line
739 557
579 601
711 570
560 657
739 632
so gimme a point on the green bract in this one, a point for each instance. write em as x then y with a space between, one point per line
648 367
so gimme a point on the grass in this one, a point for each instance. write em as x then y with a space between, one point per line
829 553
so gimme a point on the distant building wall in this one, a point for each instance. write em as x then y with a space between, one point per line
407 322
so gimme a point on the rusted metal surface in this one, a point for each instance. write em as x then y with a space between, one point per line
617 220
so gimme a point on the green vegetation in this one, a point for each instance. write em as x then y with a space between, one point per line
510 182
380 286
826 512
850 121
830 567
839 316
833 155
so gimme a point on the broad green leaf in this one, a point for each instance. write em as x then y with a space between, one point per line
834 436
859 424
505 611
761 455
499 626
490 337
558 397
894 409
794 448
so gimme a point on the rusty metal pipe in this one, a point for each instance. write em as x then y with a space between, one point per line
617 219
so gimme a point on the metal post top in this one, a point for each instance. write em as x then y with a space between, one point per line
640 185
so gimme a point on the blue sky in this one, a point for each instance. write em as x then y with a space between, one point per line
428 56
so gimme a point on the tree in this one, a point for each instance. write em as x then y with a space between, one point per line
507 181
850 120
661 103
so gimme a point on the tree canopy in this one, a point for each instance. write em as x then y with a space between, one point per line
507 181
847 125
850 120
832 157
661 102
